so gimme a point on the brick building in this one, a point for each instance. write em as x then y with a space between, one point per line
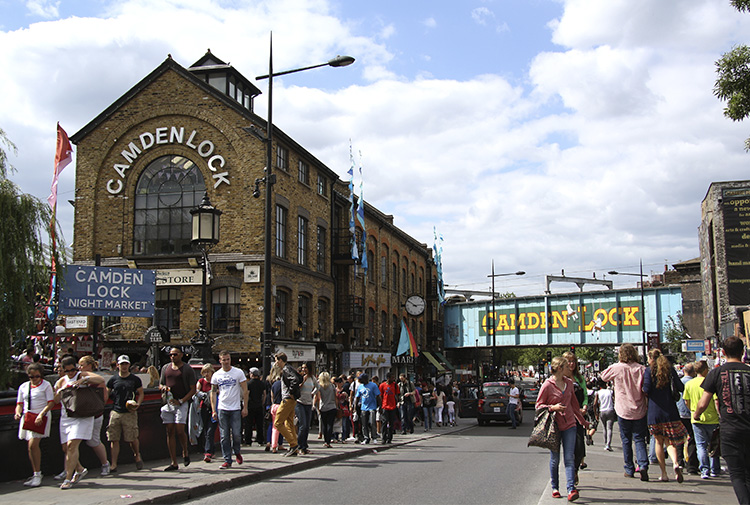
148 159
725 255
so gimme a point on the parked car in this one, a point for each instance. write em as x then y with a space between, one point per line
493 403
530 394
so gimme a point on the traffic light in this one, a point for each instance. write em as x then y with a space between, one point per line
549 355
573 349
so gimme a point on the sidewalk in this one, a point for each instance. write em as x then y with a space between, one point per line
152 485
602 482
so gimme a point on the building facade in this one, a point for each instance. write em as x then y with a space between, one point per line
180 133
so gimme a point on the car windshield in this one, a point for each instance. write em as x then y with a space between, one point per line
490 391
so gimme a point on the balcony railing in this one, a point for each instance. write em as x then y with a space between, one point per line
351 312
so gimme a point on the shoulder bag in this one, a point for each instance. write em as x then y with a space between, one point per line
83 401
545 433
29 419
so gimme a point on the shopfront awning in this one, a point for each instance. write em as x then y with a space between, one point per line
444 361
432 359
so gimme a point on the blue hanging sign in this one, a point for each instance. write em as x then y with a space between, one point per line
105 291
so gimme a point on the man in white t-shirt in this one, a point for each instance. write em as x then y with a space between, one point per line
514 397
229 406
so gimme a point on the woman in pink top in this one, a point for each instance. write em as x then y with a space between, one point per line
556 394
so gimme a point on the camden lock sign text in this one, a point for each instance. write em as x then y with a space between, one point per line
169 135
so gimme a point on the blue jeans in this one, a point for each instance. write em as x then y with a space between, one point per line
407 417
346 427
427 413
511 411
230 427
568 441
209 430
304 417
633 431
706 464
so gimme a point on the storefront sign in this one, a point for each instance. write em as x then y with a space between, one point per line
76 322
366 360
297 352
168 135
736 211
179 277
252 273
101 291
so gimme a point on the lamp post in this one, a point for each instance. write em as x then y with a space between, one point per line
269 179
494 323
643 307
205 236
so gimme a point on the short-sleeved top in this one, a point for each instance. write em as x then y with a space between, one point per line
511 398
40 395
123 389
177 380
731 384
327 398
230 391
368 393
693 393
389 394
307 389
605 400
255 390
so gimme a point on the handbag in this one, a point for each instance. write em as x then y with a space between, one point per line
29 419
545 433
83 401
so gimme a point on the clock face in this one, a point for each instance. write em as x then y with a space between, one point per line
415 305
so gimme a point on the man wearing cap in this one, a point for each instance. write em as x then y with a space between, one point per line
256 390
126 392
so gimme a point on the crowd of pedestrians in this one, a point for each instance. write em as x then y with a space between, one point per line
692 419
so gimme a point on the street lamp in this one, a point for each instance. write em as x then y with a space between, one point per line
494 323
643 306
205 236
269 179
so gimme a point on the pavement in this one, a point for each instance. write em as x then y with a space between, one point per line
602 482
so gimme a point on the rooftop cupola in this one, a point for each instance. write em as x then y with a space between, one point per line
225 78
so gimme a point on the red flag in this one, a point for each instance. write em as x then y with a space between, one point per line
63 157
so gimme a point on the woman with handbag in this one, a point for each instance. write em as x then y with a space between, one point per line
74 430
33 405
556 395
203 390
662 385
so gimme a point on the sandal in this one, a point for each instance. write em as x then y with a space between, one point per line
663 479
678 474
67 484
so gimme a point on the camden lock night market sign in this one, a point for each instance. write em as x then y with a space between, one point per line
104 291
169 135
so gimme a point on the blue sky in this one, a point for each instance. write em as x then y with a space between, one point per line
541 134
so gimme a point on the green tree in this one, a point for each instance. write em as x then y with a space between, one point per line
24 271
733 82
675 334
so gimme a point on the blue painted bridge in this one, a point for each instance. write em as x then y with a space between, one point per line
610 317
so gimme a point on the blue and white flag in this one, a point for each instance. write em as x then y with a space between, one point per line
438 259
361 217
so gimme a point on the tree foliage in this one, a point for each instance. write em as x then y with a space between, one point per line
675 334
733 77
24 263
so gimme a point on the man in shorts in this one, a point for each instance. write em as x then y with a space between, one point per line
126 392
177 381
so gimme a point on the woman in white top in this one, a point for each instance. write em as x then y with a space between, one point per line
73 430
439 405
606 401
35 396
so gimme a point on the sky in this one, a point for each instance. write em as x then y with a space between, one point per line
541 135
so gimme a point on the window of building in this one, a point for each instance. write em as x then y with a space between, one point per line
384 268
282 311
384 329
303 316
301 240
166 191
322 185
395 329
394 277
167 312
282 158
371 265
281 231
320 248
372 336
413 286
225 310
303 172
403 280
323 318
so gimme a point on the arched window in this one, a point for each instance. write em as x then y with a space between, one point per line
282 308
166 191
225 310
303 316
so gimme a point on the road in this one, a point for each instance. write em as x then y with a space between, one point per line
487 464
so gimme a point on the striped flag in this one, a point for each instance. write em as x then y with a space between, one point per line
361 217
406 342
63 157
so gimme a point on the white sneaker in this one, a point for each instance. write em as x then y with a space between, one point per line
105 470
61 476
78 476
34 481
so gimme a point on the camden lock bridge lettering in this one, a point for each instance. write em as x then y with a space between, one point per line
169 135
561 319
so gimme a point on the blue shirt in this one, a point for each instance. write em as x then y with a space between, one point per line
369 393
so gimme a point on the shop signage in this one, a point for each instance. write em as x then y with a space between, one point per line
404 359
297 353
103 291
168 135
366 360
736 212
179 277
252 273
76 322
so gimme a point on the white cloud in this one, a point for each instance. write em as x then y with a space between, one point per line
430 22
481 15
43 8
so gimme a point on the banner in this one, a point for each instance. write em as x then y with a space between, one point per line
103 291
